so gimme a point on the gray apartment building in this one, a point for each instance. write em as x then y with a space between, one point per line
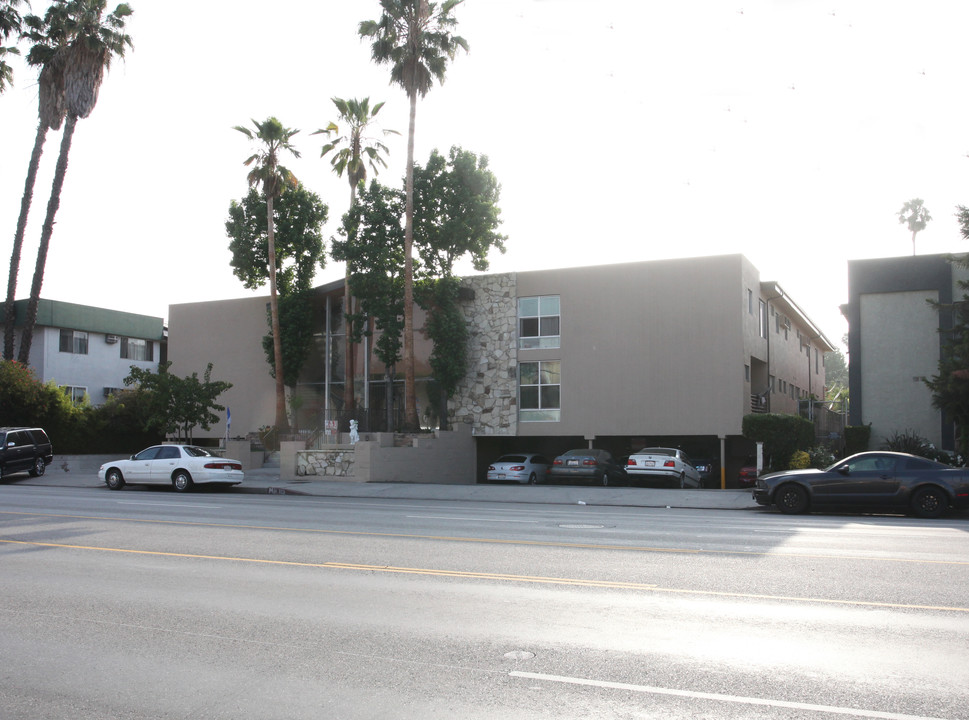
613 356
894 343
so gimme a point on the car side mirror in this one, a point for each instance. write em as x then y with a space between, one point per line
844 470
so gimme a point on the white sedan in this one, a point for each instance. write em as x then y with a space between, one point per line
180 466
528 468
669 464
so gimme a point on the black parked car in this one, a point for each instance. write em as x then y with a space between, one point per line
24 450
598 466
869 481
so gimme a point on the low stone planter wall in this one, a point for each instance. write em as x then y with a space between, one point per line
335 463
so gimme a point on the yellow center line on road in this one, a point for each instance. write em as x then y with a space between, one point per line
497 541
575 582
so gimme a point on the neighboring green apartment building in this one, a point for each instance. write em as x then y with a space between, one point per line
89 350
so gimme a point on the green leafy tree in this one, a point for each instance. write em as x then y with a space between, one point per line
448 330
836 376
95 38
373 249
916 216
10 22
266 171
351 154
176 405
415 38
950 386
456 216
299 216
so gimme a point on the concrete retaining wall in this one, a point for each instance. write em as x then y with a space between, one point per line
445 458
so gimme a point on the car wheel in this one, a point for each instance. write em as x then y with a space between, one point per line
791 499
113 480
182 481
532 479
929 502
39 468
605 479
682 481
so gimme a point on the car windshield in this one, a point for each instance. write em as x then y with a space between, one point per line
656 451
194 451
511 459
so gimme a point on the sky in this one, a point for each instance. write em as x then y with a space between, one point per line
791 131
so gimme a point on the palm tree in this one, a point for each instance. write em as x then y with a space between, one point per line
917 217
355 152
49 36
95 38
9 24
414 38
267 171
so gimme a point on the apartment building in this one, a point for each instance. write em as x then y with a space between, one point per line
894 343
88 350
613 356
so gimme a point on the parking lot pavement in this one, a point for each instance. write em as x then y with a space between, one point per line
267 481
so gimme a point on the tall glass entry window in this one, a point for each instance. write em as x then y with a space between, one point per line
539 391
539 322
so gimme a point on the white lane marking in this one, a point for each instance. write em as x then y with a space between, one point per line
476 519
158 504
721 698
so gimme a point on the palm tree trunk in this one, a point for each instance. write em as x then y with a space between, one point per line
282 425
9 314
349 396
52 205
411 421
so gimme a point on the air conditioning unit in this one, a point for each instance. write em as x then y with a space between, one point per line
110 339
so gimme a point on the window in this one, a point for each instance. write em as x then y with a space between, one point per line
133 349
539 390
763 319
538 322
74 341
747 373
750 301
76 394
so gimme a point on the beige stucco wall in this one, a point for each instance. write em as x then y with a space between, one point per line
898 333
647 348
227 333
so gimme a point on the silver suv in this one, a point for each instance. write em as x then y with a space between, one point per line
24 450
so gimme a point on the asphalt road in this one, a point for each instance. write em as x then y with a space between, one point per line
151 604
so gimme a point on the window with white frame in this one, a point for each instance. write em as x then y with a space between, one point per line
73 341
539 322
136 349
763 319
76 394
539 391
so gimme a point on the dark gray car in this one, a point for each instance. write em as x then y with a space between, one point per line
24 450
887 481
587 465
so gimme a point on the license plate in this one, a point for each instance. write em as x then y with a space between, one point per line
649 463
501 476
572 463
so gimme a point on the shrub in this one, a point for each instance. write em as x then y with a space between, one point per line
782 435
857 438
821 456
799 461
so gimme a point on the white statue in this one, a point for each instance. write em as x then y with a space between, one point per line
354 435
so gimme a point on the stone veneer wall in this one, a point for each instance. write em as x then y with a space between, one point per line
338 462
487 398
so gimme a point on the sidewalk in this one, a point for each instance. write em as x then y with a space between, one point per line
267 481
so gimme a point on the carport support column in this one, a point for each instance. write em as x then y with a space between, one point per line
723 462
